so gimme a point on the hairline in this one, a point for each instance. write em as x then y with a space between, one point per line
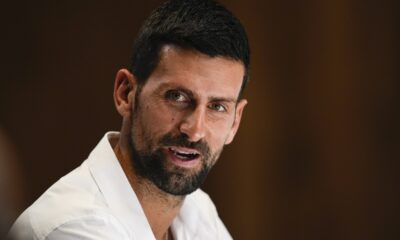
165 44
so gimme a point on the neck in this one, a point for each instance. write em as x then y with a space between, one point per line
159 207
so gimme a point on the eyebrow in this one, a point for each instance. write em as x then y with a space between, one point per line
222 99
191 94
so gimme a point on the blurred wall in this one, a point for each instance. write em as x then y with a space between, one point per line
317 155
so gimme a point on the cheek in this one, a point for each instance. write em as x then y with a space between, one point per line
218 136
159 119
221 128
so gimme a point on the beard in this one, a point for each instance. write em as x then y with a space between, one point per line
152 162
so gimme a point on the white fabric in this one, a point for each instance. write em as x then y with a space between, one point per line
96 201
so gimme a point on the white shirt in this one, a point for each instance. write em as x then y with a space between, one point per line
96 201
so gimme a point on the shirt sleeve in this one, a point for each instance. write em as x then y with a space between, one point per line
89 228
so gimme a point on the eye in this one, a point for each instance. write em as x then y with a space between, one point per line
217 107
176 96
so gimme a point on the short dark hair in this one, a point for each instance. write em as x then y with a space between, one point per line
203 25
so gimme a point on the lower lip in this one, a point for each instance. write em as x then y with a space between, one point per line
182 163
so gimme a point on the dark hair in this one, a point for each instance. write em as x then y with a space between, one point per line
203 25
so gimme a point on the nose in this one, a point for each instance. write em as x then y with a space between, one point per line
193 125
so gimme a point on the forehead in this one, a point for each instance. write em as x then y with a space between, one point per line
203 75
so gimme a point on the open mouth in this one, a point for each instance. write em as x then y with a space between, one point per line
184 154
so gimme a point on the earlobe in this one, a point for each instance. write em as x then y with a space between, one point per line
236 122
124 88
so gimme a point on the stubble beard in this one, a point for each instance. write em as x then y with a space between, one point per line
152 163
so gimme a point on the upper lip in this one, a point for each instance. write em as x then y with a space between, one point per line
183 150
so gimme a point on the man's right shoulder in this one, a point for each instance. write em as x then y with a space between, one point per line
74 201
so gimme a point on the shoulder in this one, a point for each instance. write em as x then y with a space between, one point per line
73 202
97 225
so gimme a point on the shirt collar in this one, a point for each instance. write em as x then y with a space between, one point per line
195 220
118 193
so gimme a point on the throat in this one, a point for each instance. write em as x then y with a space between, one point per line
160 208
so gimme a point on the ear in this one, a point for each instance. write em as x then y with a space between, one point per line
236 122
124 91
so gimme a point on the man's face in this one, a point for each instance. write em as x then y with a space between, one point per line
183 116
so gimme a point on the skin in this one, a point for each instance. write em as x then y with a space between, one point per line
188 93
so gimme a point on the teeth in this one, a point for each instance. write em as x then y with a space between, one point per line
185 155
182 152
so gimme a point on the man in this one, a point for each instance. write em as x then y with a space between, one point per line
180 103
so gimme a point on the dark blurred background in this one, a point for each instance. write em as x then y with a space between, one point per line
317 155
